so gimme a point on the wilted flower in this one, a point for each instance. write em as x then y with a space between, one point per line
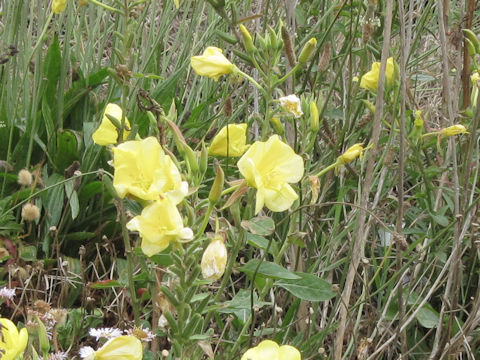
269 167
474 78
25 177
230 141
120 348
369 81
107 333
158 225
212 63
270 350
58 6
12 341
30 212
107 132
291 104
143 170
6 293
453 130
214 259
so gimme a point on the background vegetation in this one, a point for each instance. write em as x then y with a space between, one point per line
394 233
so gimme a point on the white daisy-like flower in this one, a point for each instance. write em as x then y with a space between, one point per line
143 334
7 293
107 333
86 352
291 104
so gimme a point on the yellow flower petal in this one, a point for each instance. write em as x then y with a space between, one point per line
212 63
214 259
143 170
58 6
12 342
369 80
351 154
230 141
159 224
107 133
125 347
268 167
269 350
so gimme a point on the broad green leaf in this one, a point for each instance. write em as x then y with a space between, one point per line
260 225
240 305
267 269
261 243
308 287
67 149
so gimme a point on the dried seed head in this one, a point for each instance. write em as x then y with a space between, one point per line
30 212
25 177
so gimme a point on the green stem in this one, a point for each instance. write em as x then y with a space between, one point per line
287 75
249 78
328 168
205 220
129 252
98 3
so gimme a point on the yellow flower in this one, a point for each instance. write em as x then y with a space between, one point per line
124 347
270 350
177 3
230 141
453 130
369 81
474 78
158 225
107 132
58 6
214 259
212 63
12 342
351 154
143 170
269 167
291 104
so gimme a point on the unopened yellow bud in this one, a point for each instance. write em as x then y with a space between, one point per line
314 117
418 122
351 154
217 187
247 39
307 51
58 6
214 259
277 125
453 130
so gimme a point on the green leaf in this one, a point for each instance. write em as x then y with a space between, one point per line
51 70
261 243
67 146
267 269
28 253
309 287
72 198
240 305
260 225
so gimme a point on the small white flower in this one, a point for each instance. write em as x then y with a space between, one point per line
141 333
291 104
86 352
7 293
107 333
162 322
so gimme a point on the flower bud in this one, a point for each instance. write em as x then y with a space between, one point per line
214 259
203 163
314 117
418 122
30 212
351 154
277 125
247 39
217 187
453 130
472 38
470 48
307 51
25 177
42 336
